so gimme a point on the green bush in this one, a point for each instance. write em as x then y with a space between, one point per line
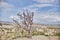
46 35
57 34
37 33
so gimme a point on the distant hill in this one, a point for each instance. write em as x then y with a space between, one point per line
35 24
5 23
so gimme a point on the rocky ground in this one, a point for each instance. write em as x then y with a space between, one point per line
40 37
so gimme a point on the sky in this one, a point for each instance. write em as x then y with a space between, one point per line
45 11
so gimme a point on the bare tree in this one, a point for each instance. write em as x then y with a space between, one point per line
27 20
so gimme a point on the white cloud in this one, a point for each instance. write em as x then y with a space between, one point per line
7 10
38 6
6 7
14 17
50 17
35 7
47 1
5 4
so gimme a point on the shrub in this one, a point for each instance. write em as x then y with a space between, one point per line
37 33
57 34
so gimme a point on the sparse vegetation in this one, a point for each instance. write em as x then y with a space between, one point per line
37 33
17 34
57 34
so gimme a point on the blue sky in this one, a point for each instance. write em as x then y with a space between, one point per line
45 11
